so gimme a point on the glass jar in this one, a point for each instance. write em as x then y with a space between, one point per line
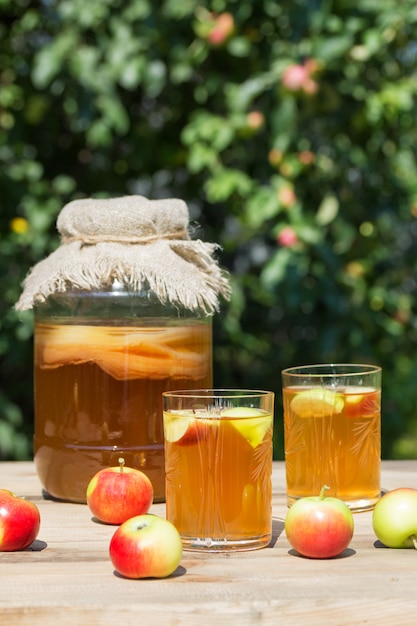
102 361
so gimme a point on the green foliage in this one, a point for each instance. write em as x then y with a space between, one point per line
310 186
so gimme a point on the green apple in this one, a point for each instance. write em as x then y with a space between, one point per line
318 527
115 494
394 518
146 546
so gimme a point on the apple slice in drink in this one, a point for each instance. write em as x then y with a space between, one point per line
252 423
317 402
180 427
186 428
361 402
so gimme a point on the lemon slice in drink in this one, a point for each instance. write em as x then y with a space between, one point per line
251 423
317 403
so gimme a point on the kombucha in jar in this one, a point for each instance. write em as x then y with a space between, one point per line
102 361
123 311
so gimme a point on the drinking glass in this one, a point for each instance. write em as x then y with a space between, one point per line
218 465
332 432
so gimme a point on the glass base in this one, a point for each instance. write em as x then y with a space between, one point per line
211 544
356 506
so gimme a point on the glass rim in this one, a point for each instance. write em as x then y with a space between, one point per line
216 393
334 370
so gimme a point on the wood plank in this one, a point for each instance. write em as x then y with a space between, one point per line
66 575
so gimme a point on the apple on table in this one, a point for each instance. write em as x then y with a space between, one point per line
115 494
394 518
19 522
319 527
146 546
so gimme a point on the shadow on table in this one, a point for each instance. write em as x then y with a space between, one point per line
180 571
37 546
344 555
277 528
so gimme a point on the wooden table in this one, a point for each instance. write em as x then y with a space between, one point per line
66 577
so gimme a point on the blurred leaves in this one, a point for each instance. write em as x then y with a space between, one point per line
288 127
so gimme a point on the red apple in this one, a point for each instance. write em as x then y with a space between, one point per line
319 527
116 494
222 30
19 522
287 237
298 78
394 519
146 546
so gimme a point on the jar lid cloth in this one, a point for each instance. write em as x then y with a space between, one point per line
135 241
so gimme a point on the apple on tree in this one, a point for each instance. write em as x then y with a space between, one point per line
146 546
394 518
116 494
19 522
319 527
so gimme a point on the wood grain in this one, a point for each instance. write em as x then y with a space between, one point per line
66 577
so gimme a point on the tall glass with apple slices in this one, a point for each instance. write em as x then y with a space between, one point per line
332 432
218 464
102 361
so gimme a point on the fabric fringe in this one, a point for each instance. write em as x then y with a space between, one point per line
129 240
192 282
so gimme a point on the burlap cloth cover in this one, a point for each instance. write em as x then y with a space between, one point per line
139 242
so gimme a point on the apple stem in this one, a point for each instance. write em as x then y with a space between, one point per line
122 463
323 492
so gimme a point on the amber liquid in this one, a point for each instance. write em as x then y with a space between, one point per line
98 396
218 488
339 448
